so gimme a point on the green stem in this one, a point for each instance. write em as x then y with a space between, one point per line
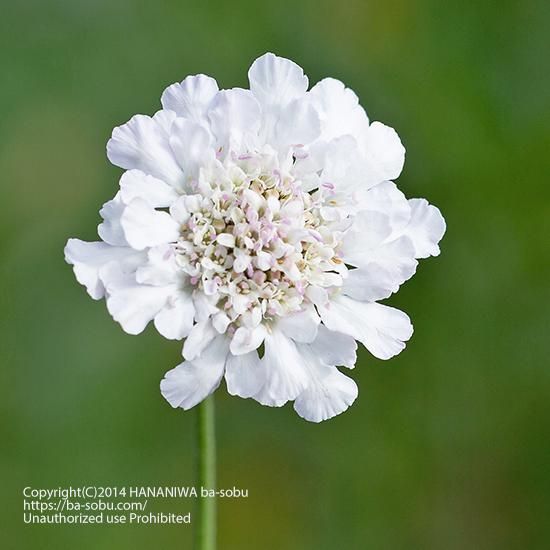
205 528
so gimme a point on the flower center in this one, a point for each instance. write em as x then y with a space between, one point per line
254 242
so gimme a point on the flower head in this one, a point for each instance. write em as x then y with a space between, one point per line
261 226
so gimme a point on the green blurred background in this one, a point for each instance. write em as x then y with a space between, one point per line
447 446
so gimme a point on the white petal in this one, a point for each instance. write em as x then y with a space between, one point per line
382 270
297 124
244 374
205 306
247 339
161 268
191 97
263 260
88 258
220 322
142 143
387 199
384 151
179 210
226 239
136 184
242 261
328 394
210 287
276 80
240 302
144 226
334 348
285 372
426 228
175 320
199 338
235 119
383 330
110 229
339 108
192 381
131 304
301 326
317 295
368 232
343 165
192 146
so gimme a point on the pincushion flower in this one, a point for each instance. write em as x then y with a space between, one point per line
262 227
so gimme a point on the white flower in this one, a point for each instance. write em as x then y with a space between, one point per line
262 227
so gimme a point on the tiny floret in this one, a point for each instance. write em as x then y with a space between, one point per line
262 219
